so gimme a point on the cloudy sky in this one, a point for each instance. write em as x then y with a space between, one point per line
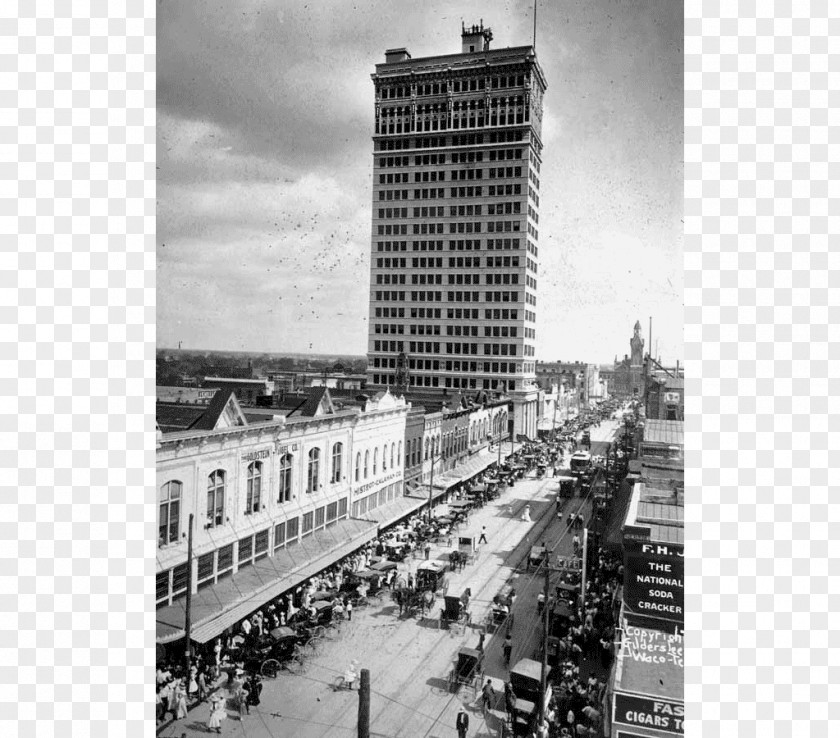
265 117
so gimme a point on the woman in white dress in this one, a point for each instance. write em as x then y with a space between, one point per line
217 714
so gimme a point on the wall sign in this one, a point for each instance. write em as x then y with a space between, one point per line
653 580
648 712
256 455
370 485
652 646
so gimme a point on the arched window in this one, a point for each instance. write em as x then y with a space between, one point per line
375 460
216 498
313 470
393 445
414 452
385 458
367 462
358 465
254 490
285 478
338 449
426 453
170 513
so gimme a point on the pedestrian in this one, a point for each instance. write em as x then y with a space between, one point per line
202 685
488 696
510 699
481 634
462 722
217 714
349 609
483 537
540 603
241 697
350 675
428 550
255 689
507 647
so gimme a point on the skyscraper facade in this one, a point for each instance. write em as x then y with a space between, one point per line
455 237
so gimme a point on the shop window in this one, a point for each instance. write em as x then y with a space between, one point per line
162 588
246 551
179 581
261 545
224 562
279 536
292 527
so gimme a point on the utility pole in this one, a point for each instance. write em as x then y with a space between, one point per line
583 569
188 603
364 704
544 665
431 479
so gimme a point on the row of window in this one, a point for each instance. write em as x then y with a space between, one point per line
495 331
435 118
466 244
438 193
455 175
171 492
472 84
216 565
501 226
451 382
471 139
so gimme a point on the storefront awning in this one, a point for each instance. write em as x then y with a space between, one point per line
393 512
465 470
222 605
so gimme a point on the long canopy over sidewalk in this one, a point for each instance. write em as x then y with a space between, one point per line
225 603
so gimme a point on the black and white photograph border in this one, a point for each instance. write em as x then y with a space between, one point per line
79 331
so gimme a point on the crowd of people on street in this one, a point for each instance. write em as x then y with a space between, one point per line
577 697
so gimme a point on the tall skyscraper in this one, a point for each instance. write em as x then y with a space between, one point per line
455 244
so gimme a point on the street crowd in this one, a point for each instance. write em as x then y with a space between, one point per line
577 695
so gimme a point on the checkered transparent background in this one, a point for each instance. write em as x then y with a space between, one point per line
78 327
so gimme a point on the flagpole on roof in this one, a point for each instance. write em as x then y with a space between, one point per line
535 25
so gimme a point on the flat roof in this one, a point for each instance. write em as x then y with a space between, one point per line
664 431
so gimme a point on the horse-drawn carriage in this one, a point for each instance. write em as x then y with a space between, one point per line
466 670
536 557
268 653
456 610
501 610
431 576
526 680
566 488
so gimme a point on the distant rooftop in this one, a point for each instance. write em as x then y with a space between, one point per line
664 431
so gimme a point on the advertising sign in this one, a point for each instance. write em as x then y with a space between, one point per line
648 712
652 646
672 398
653 580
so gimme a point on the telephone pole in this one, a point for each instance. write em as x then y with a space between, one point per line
364 704
544 665
188 603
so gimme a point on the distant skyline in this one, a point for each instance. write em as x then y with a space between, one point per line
265 118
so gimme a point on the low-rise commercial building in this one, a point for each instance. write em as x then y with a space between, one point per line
272 504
